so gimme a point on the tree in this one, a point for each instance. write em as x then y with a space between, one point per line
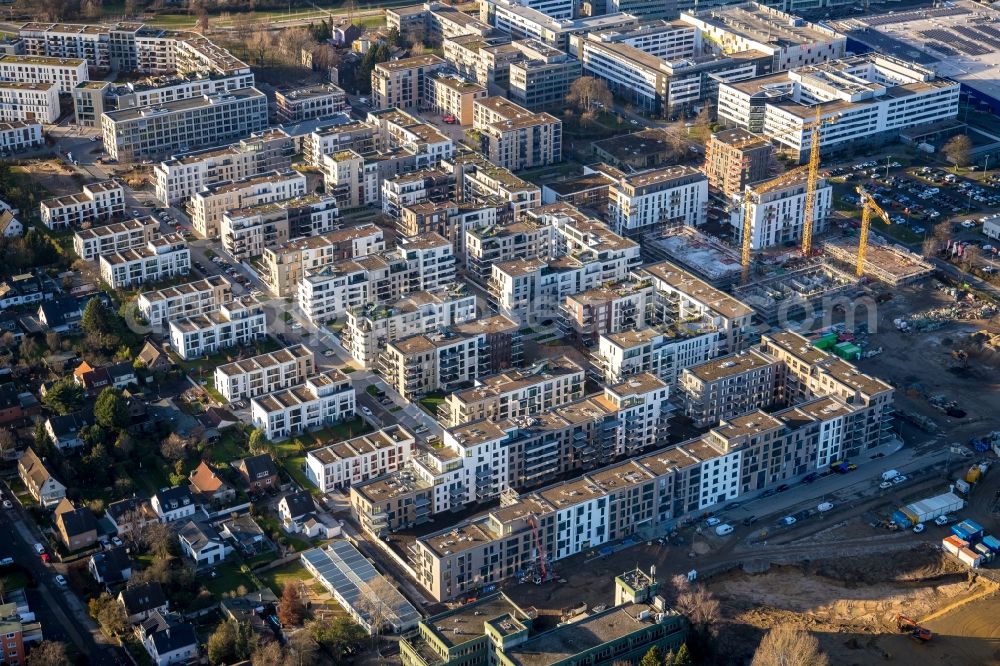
160 540
654 657
232 642
48 653
96 318
374 605
130 7
258 442
63 397
337 637
8 444
110 614
270 655
291 607
303 650
958 149
701 608
787 646
202 15
110 410
174 447
683 657
589 94
40 441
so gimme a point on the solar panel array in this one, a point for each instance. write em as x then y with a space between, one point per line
916 15
942 49
343 568
956 41
986 34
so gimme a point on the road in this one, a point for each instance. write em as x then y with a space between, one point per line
61 613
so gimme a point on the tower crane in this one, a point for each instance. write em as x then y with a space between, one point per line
758 191
868 206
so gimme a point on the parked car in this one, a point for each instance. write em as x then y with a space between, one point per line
712 521
366 411
782 488
723 530
899 479
750 520
918 528
789 520
60 580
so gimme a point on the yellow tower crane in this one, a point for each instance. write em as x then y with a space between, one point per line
758 191
868 206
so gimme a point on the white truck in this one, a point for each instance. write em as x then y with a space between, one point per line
889 474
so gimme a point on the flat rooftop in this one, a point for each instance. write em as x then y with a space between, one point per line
758 23
183 105
700 253
730 366
264 361
698 290
886 262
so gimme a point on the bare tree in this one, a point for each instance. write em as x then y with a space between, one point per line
8 444
787 646
375 605
174 447
699 605
958 149
292 41
588 94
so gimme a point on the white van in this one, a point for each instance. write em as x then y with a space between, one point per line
723 530
889 475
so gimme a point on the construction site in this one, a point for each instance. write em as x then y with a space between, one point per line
791 296
705 256
888 263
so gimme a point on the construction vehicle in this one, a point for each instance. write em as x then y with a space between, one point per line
911 627
868 206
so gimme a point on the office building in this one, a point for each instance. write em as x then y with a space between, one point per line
735 158
321 101
29 102
777 216
188 124
238 322
452 95
344 464
97 201
182 176
522 22
207 206
91 243
162 258
265 373
184 300
248 231
324 399
400 84
542 78
513 137
283 265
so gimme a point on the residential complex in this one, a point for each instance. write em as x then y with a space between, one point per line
658 198
29 102
777 217
323 399
184 300
238 322
248 231
735 158
401 84
207 206
344 464
162 258
513 137
265 373
449 94
97 201
284 264
19 135
91 243
323 101
66 73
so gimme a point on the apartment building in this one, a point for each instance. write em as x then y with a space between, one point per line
663 351
513 137
91 243
523 22
663 197
338 137
324 399
610 308
182 176
369 328
534 390
734 158
466 55
787 39
477 179
66 73
248 231
415 187
207 206
284 264
444 359
542 78
521 239
29 102
777 217
451 219
239 322
17 628
265 373
861 100
97 201
18 135
353 461
450 94
399 130
154 132
184 300
321 101
400 84
162 258
433 21
729 386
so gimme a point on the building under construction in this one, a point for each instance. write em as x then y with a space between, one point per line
796 294
707 257
885 262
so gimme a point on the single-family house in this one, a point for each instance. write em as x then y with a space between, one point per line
36 477
202 543
142 600
252 608
320 526
154 359
122 374
168 640
208 488
245 534
174 503
110 567
92 380
293 508
16 406
64 431
76 526
259 472
10 226
130 514
61 315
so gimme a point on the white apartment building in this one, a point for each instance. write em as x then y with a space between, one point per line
370 328
286 263
207 206
555 9
663 354
513 137
523 22
336 137
18 135
184 300
182 176
324 399
91 243
29 102
438 361
247 232
161 259
238 322
344 464
398 129
860 100
97 201
778 215
415 187
477 179
400 84
66 73
322 101
154 132
419 263
669 195
266 373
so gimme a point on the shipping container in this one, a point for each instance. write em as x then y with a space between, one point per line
962 486
961 532
970 557
825 341
992 543
974 528
929 509
902 519
953 544
984 551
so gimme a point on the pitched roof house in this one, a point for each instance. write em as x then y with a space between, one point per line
39 481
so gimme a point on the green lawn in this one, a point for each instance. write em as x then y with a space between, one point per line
277 578
431 401
228 577
293 466
229 447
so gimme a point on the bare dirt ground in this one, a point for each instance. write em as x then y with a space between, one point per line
56 177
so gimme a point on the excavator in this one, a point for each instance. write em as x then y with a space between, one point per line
911 627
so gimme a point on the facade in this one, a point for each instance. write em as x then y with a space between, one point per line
89 244
184 300
662 197
286 263
154 132
238 322
323 101
416 187
97 201
208 206
614 307
479 180
324 399
247 232
162 258
860 100
182 176
524 22
729 386
663 351
541 79
18 135
265 373
735 158
778 215
66 73
29 102
401 84
344 464
513 137
450 94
